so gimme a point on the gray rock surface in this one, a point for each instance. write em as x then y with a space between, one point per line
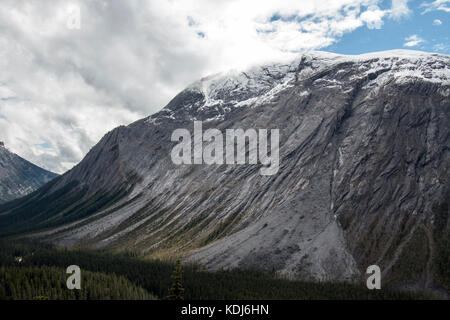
19 177
364 156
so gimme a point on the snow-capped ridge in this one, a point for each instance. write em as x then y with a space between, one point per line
259 84
261 80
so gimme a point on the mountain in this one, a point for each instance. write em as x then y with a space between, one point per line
363 175
19 177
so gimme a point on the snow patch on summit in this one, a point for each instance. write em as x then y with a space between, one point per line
261 84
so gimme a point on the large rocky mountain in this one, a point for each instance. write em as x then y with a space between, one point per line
363 176
19 177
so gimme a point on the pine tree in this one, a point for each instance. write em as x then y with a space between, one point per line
176 292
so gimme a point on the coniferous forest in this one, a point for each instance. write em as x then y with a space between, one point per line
37 271
36 283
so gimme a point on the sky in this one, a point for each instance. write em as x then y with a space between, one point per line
73 70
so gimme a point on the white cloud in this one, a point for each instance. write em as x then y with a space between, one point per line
413 41
437 22
400 9
437 5
440 47
373 17
130 57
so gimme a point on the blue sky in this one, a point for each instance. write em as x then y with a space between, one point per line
393 33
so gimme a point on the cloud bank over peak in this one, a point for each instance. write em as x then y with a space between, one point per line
62 89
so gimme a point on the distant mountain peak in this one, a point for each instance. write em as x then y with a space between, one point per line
19 177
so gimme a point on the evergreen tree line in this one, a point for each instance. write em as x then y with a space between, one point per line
167 280
28 283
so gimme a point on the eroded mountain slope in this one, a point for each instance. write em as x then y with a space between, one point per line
19 177
364 157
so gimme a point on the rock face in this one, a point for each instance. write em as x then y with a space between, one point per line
18 177
364 160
